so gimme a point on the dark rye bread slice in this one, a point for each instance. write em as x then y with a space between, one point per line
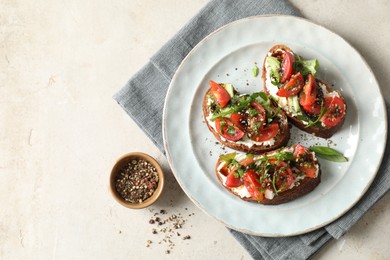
305 186
281 138
315 130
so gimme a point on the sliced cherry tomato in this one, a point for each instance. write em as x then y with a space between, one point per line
266 133
335 110
292 87
258 107
299 151
231 180
237 119
253 186
220 93
287 68
285 179
314 109
256 122
309 94
247 161
228 130
285 176
309 169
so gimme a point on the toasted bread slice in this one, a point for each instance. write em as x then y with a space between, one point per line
315 124
246 144
280 183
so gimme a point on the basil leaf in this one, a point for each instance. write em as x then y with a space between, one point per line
329 154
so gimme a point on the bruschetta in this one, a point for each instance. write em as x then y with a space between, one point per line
272 178
245 122
310 103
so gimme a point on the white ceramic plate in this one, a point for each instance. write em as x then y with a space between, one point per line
228 55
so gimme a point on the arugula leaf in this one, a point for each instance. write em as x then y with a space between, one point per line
240 103
239 173
322 113
329 154
228 158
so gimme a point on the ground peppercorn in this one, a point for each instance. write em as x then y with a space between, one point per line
137 181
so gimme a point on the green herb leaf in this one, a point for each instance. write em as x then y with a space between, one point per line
255 71
322 113
240 103
231 131
273 66
239 173
329 154
306 66
228 158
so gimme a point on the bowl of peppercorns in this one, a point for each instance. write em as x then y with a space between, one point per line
136 180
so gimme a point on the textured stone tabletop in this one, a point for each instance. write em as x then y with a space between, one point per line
61 131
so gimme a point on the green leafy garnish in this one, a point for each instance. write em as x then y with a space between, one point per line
231 131
242 102
255 71
313 122
273 66
228 158
329 154
306 66
239 173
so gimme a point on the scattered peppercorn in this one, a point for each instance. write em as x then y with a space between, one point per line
166 228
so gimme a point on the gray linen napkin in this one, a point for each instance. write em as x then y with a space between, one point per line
143 100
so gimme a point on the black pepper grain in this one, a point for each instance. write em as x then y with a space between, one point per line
137 181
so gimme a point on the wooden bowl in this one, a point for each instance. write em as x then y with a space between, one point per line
126 161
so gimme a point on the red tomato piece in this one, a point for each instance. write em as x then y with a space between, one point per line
231 180
314 109
220 93
256 122
227 129
309 94
258 107
299 151
237 119
287 68
335 110
253 186
292 87
309 169
247 161
266 133
285 176
288 178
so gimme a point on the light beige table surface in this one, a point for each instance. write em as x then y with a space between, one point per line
61 131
